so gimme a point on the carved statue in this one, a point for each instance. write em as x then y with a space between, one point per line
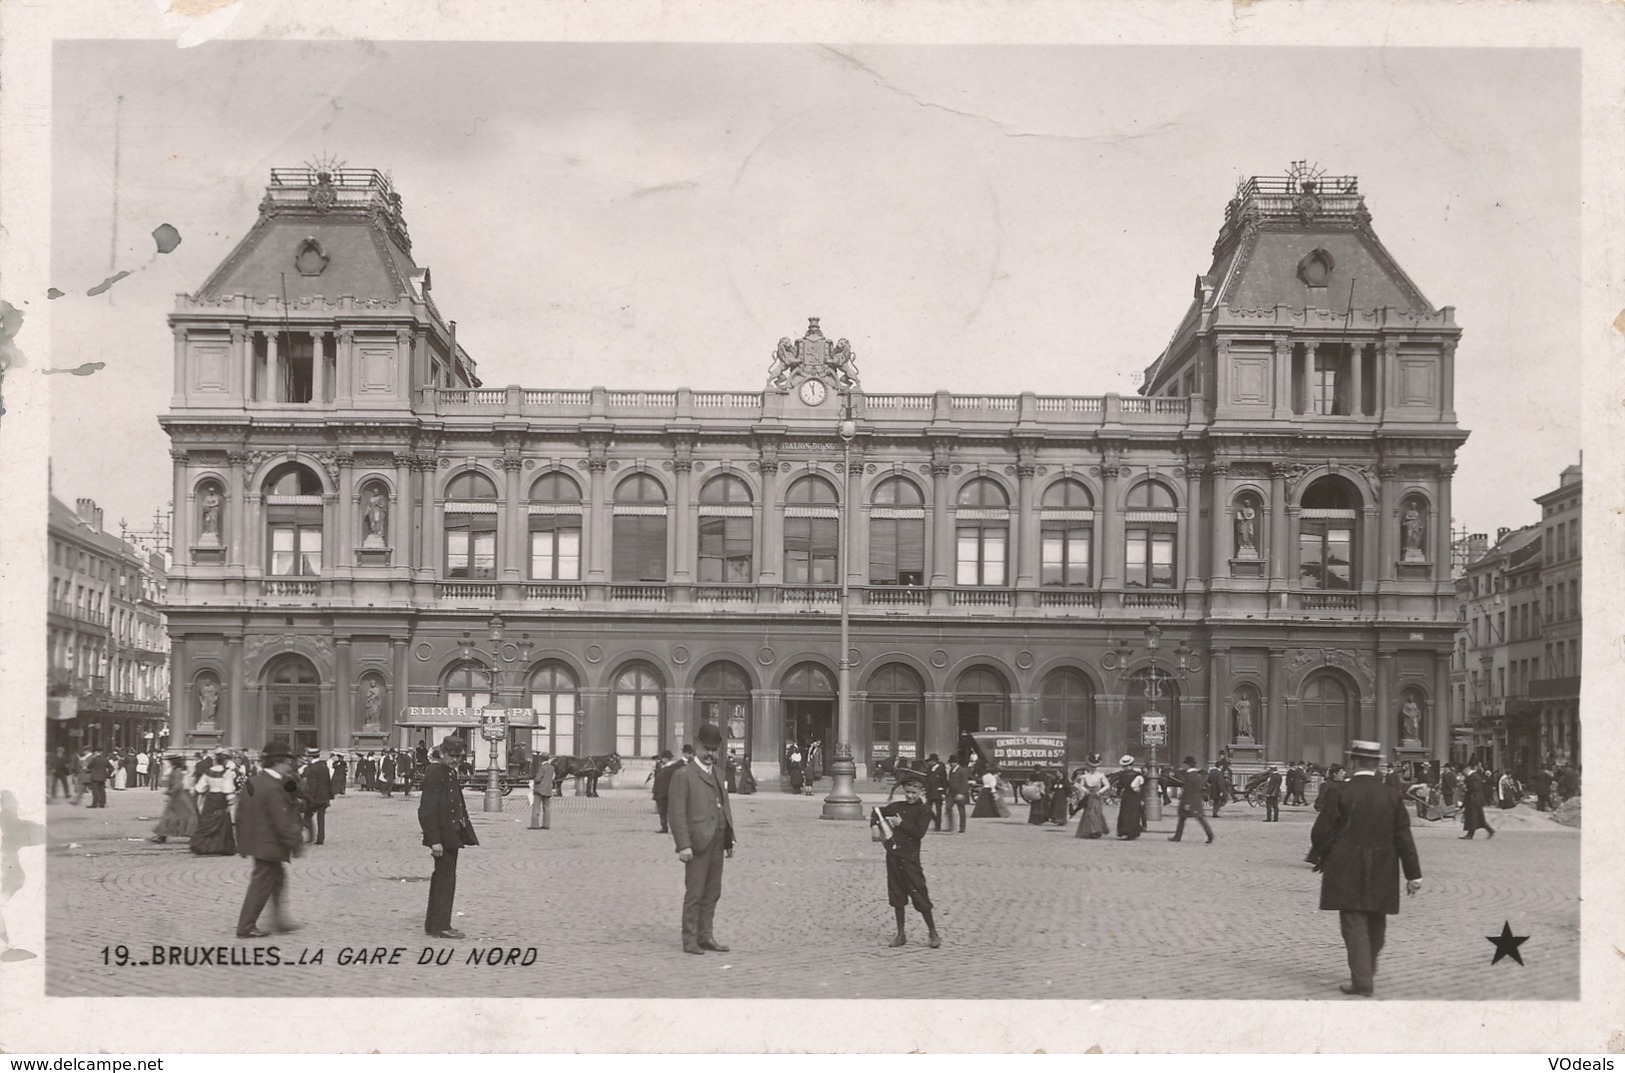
844 364
376 518
785 364
1411 526
374 702
211 516
208 699
1244 717
1410 720
1246 531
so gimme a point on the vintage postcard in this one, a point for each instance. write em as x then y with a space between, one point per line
1025 527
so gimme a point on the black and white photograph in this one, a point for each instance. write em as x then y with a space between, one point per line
1007 522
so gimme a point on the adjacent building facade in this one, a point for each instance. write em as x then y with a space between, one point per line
1257 546
107 645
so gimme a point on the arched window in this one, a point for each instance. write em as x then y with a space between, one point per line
1150 537
1066 534
722 698
897 533
555 528
983 702
554 696
811 533
293 521
896 701
639 531
725 532
1066 705
467 685
293 695
1326 535
637 695
982 533
471 527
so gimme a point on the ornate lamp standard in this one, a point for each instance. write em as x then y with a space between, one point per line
498 729
1153 693
843 802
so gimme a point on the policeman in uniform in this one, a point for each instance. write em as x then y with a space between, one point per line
908 819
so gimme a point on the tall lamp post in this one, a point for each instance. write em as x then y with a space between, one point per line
843 802
1153 692
493 774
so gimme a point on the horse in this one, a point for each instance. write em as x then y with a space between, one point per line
883 769
583 767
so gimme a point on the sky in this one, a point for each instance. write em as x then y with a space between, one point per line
973 218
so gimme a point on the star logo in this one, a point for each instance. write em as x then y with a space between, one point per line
1506 944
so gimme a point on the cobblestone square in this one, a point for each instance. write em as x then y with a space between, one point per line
1023 910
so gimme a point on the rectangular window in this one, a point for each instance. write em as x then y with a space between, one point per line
471 546
897 551
296 550
638 554
1323 391
725 551
1149 558
1065 553
810 550
555 548
981 555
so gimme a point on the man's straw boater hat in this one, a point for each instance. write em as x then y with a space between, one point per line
1369 749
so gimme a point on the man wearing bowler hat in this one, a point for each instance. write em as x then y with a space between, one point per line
702 824
1362 838
268 830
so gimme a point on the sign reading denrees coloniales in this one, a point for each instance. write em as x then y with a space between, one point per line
1021 756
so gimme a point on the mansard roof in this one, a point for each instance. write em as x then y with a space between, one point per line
323 233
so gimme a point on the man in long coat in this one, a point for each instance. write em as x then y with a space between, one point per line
268 830
1192 785
665 767
316 786
1472 808
1362 839
702 824
443 818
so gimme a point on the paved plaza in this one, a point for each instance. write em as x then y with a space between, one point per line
592 908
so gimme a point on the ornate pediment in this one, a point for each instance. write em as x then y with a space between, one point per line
813 358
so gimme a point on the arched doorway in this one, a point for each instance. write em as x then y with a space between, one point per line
982 700
294 702
896 699
1066 705
1325 709
722 697
809 715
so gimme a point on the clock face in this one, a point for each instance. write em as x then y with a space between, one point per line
812 392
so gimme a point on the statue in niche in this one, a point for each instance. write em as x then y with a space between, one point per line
373 701
1244 717
209 530
1411 528
376 519
1410 720
208 699
1246 530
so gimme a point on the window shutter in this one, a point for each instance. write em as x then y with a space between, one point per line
653 553
883 549
624 561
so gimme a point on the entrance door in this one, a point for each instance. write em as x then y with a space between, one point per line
1325 707
810 723
295 701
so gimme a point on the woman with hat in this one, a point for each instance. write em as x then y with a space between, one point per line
1093 786
1130 785
216 791
180 814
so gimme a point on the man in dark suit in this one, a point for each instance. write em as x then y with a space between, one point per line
1362 838
1272 795
386 773
1472 809
702 824
97 772
443 816
936 788
316 787
1216 784
958 777
268 830
665 767
1191 784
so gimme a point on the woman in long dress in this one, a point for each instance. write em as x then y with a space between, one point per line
1130 792
1092 824
987 803
121 771
1059 797
1036 794
180 814
216 791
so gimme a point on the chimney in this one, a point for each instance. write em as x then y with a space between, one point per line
1501 533
86 509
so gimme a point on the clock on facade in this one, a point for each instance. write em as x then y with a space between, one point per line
813 392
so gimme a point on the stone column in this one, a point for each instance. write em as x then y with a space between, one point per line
1028 526
511 545
400 513
854 544
236 381
766 735
1191 531
273 381
1283 407
941 723
399 692
1219 544
234 513
1370 566
1280 538
681 720
253 531
344 367
684 522
1383 732
1441 531
1357 396
770 550
1307 401
318 368
596 732
1447 379
234 725
1218 728
180 694
343 556
341 734
942 532
181 525
596 545
1387 504
1436 731
428 561
1022 706
1275 703
1111 528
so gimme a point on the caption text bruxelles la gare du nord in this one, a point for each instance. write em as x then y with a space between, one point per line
348 955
